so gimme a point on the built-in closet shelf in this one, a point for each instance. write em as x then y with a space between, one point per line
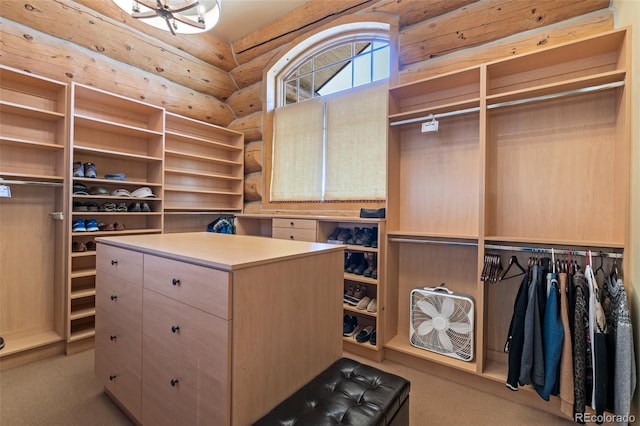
82 273
106 152
99 213
353 247
206 158
113 127
80 293
453 85
82 313
28 143
350 308
114 182
426 237
27 111
578 86
401 344
111 233
82 333
184 172
201 210
360 279
472 105
15 343
31 177
87 253
196 190
197 140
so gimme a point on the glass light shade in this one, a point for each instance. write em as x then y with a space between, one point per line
207 9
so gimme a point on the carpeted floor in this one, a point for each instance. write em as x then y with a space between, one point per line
63 391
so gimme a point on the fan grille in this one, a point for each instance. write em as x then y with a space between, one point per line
442 323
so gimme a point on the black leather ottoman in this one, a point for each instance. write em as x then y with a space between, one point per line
346 393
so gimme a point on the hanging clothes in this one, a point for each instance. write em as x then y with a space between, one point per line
598 344
532 366
581 348
566 358
590 341
622 372
553 336
515 338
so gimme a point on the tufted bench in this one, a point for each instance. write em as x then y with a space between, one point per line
346 393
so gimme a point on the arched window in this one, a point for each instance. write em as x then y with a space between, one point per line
328 98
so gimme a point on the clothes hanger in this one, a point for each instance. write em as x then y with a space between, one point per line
513 260
600 268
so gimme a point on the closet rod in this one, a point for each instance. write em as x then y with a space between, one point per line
29 182
555 251
434 116
558 95
420 241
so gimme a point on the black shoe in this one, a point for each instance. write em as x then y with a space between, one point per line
357 259
135 207
146 208
1 343
372 339
334 235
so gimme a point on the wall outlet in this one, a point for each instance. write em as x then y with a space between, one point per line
5 191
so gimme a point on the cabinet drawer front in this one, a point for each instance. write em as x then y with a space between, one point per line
203 288
122 263
294 223
180 389
118 339
120 299
124 384
193 335
294 234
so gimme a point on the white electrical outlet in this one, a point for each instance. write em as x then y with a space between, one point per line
430 126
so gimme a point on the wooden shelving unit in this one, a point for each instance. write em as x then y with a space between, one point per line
117 135
33 135
204 173
532 151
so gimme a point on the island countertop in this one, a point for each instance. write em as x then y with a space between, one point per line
221 251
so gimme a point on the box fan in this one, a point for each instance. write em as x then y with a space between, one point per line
442 322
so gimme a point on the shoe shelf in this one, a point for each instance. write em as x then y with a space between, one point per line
203 174
360 279
353 309
116 135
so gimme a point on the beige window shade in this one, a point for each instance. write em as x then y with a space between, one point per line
357 144
297 167
344 161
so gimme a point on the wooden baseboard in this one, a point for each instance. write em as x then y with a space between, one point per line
28 356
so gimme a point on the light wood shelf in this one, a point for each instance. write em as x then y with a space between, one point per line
33 138
504 176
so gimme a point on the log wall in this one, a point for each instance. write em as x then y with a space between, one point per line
203 77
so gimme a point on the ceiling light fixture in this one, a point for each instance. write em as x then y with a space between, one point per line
177 16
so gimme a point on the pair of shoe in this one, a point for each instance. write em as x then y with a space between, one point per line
111 226
339 235
79 246
366 335
85 207
138 207
357 264
372 270
81 225
86 170
354 295
371 305
350 325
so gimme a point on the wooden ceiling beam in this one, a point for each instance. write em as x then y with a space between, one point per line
483 22
205 46
282 30
73 22
414 11
33 51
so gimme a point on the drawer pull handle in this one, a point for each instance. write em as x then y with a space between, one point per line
113 337
114 262
174 382
291 236
291 223
175 328
112 377
175 281
114 297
